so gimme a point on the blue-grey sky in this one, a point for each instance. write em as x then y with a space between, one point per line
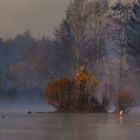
39 16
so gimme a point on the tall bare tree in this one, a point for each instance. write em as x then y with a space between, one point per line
84 31
123 16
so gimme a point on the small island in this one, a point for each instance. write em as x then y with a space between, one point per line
80 93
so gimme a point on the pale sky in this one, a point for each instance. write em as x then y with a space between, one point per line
39 16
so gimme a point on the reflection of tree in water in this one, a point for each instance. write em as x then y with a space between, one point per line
72 127
122 121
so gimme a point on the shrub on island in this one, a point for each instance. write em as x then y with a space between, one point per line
80 92
77 93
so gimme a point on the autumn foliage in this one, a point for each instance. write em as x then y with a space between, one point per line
74 94
59 93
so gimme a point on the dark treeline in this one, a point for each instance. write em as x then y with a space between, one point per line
26 64
103 38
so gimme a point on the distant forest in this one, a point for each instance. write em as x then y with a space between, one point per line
103 38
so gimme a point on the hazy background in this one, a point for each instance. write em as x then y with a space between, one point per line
39 16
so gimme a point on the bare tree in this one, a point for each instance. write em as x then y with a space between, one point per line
125 100
123 15
84 25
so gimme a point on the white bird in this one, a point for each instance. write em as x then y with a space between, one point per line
121 113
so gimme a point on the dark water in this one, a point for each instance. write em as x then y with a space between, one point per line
69 127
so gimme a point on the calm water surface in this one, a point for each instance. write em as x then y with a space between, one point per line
69 127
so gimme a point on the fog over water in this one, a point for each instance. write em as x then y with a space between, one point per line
39 16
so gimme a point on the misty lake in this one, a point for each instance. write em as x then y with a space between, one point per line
69 127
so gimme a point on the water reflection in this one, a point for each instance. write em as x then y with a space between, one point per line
122 121
69 127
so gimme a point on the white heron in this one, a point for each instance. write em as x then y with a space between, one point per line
121 113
